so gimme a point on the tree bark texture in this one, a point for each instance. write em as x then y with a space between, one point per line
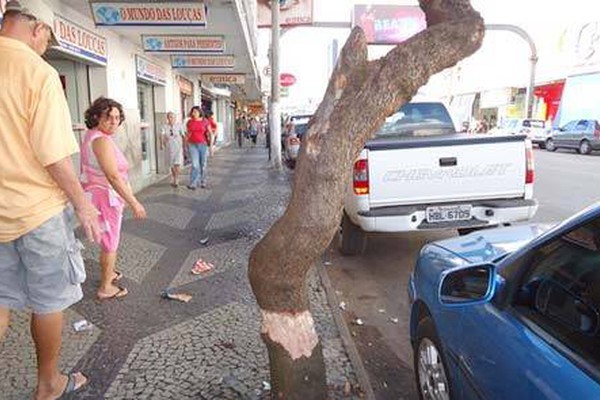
360 95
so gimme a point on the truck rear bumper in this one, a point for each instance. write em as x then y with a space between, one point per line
413 217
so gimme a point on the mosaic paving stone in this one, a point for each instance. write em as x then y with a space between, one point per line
137 256
17 355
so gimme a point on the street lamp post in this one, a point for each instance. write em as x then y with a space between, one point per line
274 105
533 59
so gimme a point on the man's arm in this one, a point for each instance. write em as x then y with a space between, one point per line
63 174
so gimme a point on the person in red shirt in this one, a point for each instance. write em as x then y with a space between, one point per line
198 138
213 130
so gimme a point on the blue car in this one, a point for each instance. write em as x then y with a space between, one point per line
510 313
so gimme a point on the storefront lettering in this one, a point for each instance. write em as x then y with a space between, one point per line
161 14
193 44
81 38
199 62
148 70
229 79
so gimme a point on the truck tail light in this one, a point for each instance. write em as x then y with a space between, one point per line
360 177
529 164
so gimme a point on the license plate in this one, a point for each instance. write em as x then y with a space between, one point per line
448 213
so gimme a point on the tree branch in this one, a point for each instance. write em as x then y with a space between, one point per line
359 97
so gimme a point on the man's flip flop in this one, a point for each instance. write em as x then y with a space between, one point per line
72 385
122 292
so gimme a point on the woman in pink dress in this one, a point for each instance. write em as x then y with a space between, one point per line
104 178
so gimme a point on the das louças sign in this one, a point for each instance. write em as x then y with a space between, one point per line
286 80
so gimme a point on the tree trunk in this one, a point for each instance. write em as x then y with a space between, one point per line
360 95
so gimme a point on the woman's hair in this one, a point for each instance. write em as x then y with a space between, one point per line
197 108
101 106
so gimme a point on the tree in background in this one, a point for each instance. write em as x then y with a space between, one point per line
360 95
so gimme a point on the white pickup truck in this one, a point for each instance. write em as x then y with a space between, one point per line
417 173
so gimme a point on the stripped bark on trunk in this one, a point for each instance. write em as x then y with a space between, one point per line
360 95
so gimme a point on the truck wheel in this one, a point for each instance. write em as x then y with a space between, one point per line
542 145
352 238
584 147
433 379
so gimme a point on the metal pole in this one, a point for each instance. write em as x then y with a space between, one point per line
533 59
275 116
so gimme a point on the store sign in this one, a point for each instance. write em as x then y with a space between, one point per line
183 44
388 24
293 12
581 45
148 71
203 61
185 85
148 14
79 41
286 79
225 79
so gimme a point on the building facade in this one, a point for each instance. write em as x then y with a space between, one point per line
131 52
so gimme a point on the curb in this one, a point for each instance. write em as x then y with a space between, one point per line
355 359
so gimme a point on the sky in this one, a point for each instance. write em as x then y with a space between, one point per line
503 56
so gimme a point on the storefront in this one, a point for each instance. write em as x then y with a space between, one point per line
548 100
80 61
150 78
580 99
497 105
461 110
186 95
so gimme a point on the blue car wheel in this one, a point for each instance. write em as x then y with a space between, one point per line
430 366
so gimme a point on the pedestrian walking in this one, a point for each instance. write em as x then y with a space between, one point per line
104 178
198 139
173 138
213 131
40 259
239 130
253 130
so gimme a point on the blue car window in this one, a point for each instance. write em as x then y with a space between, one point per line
561 293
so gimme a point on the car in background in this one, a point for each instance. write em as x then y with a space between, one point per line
534 129
300 124
582 135
509 313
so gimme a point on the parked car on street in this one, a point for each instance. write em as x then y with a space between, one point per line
582 135
535 129
509 313
417 173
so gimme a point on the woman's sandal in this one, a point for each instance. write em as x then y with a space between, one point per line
122 292
118 276
72 384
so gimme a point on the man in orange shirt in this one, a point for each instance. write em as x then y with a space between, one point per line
41 267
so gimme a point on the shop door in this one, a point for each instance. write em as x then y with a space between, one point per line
147 135
185 106
73 77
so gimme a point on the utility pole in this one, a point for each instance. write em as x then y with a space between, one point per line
274 105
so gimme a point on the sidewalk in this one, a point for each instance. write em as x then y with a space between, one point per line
145 347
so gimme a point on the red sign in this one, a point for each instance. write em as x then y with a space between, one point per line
389 24
286 80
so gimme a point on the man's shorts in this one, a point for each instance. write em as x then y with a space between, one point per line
43 269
